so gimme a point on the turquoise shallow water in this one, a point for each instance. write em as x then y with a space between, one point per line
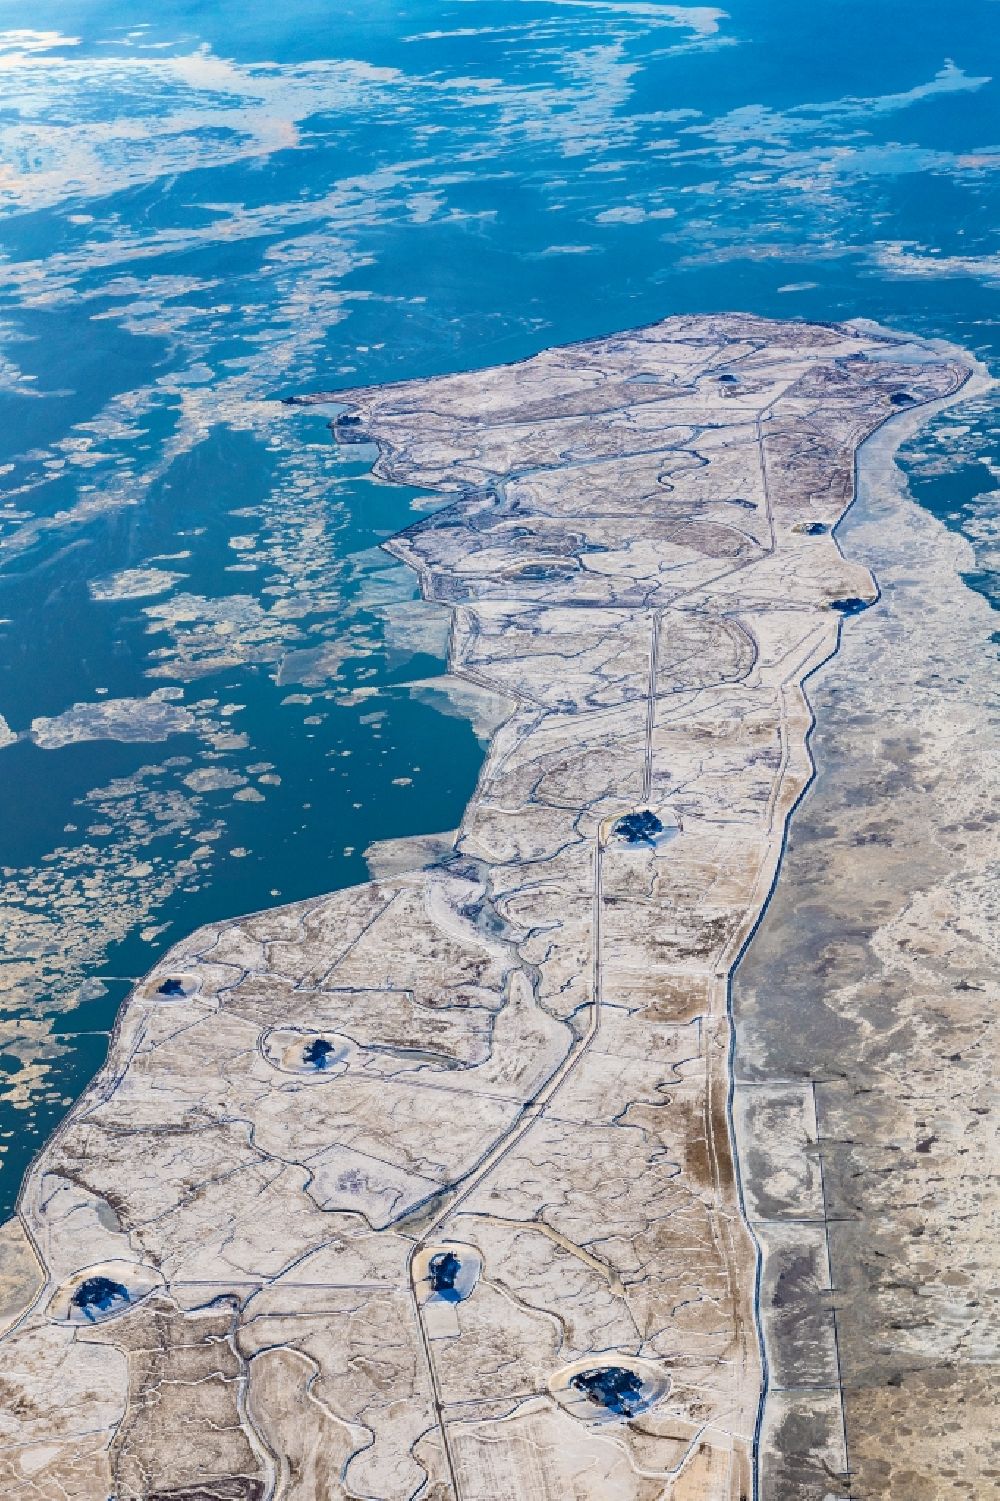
205 208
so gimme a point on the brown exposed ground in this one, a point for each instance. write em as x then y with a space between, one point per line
874 974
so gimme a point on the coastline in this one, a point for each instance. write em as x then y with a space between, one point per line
548 1008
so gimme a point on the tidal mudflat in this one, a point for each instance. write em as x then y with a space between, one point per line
433 1186
866 1058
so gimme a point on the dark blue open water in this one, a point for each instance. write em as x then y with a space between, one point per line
204 207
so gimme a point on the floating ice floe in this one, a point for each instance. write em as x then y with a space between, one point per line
126 719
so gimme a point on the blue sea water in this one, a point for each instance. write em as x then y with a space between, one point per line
204 208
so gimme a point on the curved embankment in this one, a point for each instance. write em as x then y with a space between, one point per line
864 1009
428 1188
